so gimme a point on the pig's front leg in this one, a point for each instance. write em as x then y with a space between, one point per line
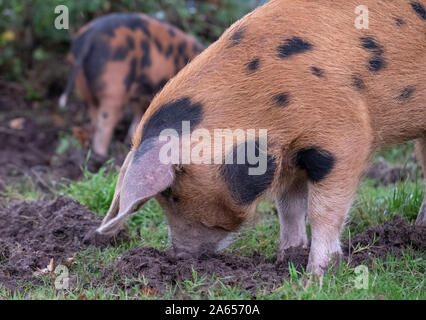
292 210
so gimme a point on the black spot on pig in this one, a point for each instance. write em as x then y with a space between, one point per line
171 115
172 32
376 61
406 93
144 86
246 187
376 64
292 46
281 100
158 45
253 65
120 53
161 84
170 195
185 60
237 37
316 162
197 48
399 22
169 51
130 78
419 9
146 57
105 115
318 72
95 62
369 43
177 63
130 42
109 23
357 82
181 48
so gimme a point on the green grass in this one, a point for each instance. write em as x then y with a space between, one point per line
390 278
95 190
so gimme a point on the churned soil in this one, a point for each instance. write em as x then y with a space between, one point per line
257 272
33 233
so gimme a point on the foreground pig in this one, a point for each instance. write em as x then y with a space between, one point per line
328 95
122 58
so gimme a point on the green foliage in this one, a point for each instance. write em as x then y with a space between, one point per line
28 35
95 190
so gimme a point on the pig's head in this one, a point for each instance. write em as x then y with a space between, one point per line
199 215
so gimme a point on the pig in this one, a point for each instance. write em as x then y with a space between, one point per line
328 94
124 58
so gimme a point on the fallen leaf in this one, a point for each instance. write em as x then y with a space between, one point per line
147 291
69 261
82 297
82 135
58 120
50 266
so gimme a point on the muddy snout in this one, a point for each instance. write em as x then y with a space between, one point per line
181 252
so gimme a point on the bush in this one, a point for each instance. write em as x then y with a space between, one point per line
28 36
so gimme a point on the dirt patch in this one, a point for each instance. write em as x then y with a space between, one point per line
30 150
255 273
33 233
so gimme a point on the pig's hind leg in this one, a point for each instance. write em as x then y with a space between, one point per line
108 115
292 210
329 201
421 156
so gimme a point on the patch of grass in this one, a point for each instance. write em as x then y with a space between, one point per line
391 278
400 154
66 142
23 190
95 190
375 205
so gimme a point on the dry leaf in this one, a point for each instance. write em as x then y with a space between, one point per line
82 135
69 261
147 291
51 266
58 120
17 124
82 297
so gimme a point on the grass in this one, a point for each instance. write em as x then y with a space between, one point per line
390 278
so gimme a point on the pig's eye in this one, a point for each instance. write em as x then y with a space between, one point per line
168 194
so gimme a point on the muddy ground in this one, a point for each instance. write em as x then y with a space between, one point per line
34 233
30 137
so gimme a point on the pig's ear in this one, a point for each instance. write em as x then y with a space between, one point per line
142 176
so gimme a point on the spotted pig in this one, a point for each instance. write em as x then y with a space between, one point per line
122 58
328 94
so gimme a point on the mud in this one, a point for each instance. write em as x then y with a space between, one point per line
30 150
257 273
33 233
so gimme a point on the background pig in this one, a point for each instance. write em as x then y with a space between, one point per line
329 95
121 58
